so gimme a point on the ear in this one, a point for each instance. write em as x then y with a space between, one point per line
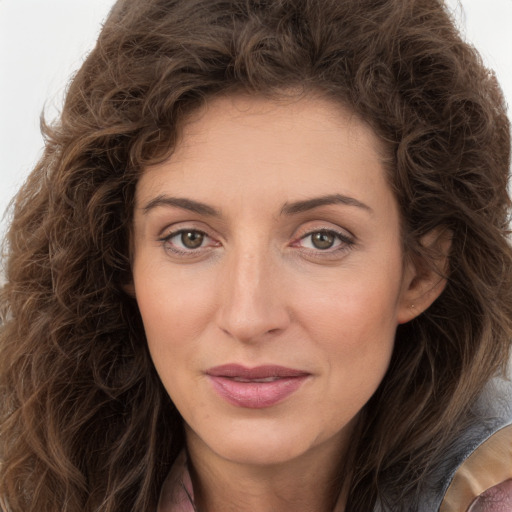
425 276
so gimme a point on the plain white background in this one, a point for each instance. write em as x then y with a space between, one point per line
43 42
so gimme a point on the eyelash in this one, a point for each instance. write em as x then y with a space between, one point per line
166 242
345 243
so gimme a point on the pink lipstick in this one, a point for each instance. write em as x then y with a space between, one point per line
255 388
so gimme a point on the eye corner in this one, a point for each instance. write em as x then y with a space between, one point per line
325 242
198 243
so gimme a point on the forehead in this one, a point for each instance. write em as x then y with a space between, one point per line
250 145
229 120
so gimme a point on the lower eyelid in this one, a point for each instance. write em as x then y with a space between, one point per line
210 242
343 238
343 243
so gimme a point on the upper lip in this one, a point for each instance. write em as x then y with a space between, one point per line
258 372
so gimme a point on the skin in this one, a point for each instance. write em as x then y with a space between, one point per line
257 290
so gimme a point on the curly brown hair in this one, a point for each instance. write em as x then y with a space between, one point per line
85 423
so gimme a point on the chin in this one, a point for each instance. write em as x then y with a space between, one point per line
262 452
266 443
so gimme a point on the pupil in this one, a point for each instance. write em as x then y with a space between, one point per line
323 240
192 239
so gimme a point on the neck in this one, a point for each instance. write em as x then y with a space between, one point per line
309 483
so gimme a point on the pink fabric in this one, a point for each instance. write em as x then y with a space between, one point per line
495 499
177 492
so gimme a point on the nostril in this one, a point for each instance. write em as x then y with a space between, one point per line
253 329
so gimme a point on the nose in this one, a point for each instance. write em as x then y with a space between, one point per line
253 304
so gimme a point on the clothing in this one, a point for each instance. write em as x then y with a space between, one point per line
484 481
477 460
476 475
177 492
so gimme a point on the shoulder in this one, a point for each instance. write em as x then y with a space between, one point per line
477 464
496 499
480 478
483 482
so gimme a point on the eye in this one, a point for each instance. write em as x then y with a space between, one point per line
187 241
325 240
191 239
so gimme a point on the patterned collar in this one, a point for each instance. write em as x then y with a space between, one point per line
476 476
177 492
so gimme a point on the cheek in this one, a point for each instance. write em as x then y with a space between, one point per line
354 325
172 323
171 303
175 312
357 344
356 312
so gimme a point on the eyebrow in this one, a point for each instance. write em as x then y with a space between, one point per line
184 204
288 209
315 202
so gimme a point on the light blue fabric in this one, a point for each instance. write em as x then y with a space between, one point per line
493 411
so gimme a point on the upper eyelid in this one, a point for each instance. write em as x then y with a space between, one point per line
301 232
172 234
177 250
166 234
341 232
345 245
177 227
344 239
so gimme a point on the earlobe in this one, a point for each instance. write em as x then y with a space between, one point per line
425 274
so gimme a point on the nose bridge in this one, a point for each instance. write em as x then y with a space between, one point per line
250 303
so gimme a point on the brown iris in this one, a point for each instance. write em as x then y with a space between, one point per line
192 239
323 239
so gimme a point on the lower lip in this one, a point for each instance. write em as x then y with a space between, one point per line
256 395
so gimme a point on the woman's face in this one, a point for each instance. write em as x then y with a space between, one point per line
269 275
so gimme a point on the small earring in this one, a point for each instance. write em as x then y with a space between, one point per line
412 306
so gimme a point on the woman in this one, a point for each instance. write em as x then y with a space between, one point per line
263 265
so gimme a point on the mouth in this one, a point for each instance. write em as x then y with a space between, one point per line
267 379
255 388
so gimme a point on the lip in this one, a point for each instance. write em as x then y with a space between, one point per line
255 388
